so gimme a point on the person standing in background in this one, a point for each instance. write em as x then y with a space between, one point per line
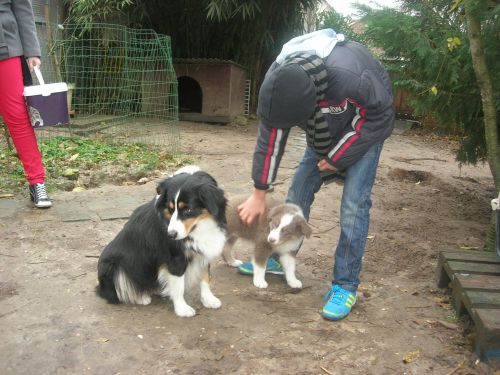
19 47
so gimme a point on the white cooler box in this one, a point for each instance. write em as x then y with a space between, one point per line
47 103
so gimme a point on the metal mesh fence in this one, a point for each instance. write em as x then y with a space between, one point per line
122 84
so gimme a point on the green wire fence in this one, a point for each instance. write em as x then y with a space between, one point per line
122 84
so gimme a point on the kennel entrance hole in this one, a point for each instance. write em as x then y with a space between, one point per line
190 95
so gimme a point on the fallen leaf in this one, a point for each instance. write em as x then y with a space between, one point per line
444 300
411 356
455 5
74 157
102 339
71 173
78 189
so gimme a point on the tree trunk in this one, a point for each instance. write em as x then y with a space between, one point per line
488 103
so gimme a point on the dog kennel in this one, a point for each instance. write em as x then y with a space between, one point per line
211 90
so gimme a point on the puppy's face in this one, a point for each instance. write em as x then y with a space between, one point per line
286 223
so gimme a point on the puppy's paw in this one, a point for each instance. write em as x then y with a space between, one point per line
260 283
295 284
235 263
211 302
184 310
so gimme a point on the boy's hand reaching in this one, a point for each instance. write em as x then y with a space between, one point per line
253 208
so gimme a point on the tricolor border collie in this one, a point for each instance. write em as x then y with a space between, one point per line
167 244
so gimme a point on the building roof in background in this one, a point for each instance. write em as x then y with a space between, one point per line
207 61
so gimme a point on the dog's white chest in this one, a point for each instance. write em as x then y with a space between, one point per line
208 238
288 246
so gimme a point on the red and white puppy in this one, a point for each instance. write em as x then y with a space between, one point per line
281 232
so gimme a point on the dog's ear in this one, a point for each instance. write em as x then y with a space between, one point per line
161 195
213 199
272 212
204 176
304 227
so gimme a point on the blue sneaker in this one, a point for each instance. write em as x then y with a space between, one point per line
273 266
338 303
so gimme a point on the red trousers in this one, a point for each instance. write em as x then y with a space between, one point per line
15 114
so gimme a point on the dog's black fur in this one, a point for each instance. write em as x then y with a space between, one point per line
143 246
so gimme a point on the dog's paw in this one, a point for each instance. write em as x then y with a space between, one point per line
260 283
295 284
211 302
144 300
236 263
184 310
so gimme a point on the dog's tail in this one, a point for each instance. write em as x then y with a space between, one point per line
106 288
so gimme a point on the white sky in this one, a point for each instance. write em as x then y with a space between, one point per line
344 6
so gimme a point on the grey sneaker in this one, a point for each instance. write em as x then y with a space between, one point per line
39 196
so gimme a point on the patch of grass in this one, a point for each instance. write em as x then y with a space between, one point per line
90 157
11 172
452 318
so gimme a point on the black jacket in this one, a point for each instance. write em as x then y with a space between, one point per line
358 108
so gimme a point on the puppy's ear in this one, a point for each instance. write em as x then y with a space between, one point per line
213 199
305 228
272 212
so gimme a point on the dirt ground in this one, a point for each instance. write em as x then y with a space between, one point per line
51 321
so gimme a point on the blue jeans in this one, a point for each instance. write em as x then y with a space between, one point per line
354 209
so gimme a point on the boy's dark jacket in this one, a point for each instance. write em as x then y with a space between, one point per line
358 108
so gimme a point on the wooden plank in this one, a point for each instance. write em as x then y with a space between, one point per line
487 327
480 299
462 283
474 268
478 282
450 268
446 273
475 288
489 320
470 255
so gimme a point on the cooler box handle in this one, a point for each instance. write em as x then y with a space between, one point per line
39 77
